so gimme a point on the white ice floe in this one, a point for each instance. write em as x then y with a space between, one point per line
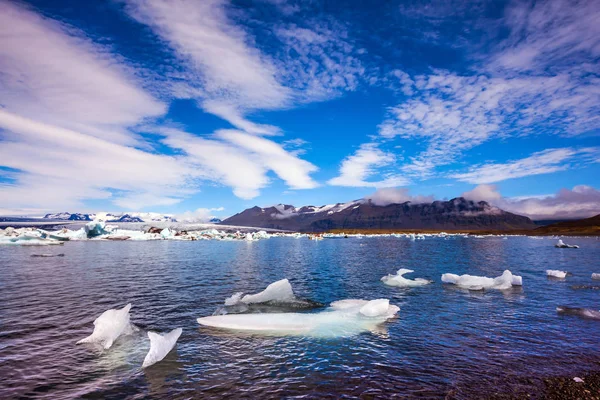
595 276
276 291
109 326
342 318
555 273
503 282
400 281
562 245
160 346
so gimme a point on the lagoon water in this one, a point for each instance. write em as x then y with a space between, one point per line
444 342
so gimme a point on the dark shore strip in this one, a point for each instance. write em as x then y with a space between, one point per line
526 232
567 388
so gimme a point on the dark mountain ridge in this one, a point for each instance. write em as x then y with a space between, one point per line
455 214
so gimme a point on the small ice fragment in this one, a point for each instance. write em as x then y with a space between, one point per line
578 380
503 282
276 291
560 244
595 276
555 273
109 326
400 281
160 346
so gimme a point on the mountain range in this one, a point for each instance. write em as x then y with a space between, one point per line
455 214
112 217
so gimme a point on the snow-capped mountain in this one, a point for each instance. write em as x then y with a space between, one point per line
113 217
455 214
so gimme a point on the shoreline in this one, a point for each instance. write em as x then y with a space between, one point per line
533 232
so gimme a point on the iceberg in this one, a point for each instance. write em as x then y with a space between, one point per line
554 273
561 245
95 228
581 312
400 281
160 346
278 296
342 318
276 291
109 326
503 282
595 276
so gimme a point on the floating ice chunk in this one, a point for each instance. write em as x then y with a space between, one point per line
401 281
160 346
556 273
343 318
167 233
95 228
375 308
578 380
109 326
503 282
581 312
27 241
276 291
560 244
595 276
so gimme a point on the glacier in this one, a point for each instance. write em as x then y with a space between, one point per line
400 281
343 318
160 346
109 326
506 281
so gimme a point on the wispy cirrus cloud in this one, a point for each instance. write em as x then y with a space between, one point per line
240 160
71 111
230 75
542 162
356 169
536 74
51 72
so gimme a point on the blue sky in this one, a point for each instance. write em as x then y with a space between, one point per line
210 107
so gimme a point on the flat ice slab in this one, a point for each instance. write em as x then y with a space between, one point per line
344 318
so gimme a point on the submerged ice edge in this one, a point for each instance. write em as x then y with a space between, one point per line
342 318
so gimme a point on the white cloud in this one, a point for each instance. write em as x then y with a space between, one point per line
542 162
293 170
534 72
51 72
386 196
234 75
580 202
231 77
240 160
62 167
549 33
455 113
199 215
357 168
484 192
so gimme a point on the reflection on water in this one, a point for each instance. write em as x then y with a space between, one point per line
445 341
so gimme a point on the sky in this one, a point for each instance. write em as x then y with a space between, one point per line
209 107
